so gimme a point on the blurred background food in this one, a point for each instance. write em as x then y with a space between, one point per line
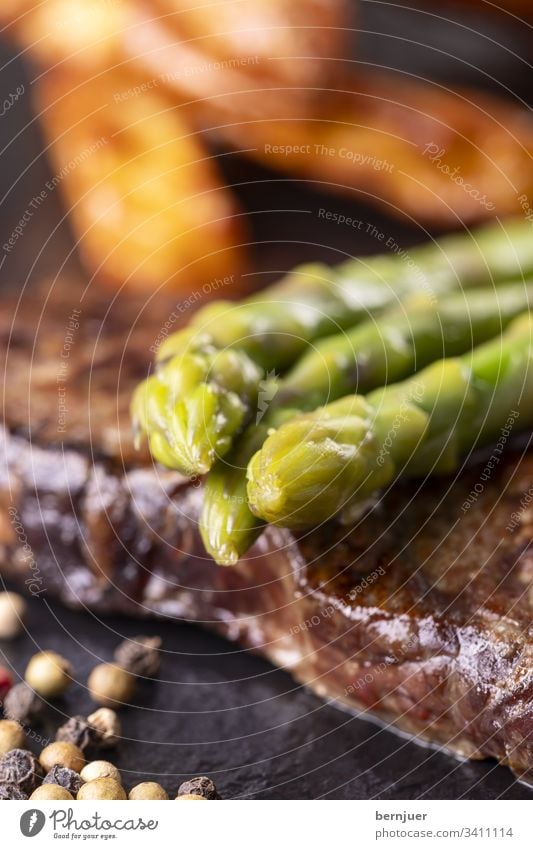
219 81
141 101
146 201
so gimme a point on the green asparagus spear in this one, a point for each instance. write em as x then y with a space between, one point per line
276 326
323 462
193 405
227 525
373 354
190 430
399 342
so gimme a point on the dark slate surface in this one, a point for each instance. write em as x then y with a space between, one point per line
219 710
222 711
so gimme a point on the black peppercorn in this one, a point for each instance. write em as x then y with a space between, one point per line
65 777
11 791
78 732
140 656
23 704
21 768
200 786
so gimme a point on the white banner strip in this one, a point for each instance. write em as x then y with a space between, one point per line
264 825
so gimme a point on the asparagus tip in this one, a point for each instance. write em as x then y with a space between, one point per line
226 556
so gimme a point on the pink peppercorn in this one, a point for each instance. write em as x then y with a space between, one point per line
6 682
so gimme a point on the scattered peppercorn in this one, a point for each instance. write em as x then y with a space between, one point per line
48 674
12 613
24 705
21 768
64 777
12 736
140 656
102 788
77 731
6 682
100 769
192 797
147 790
110 684
62 754
199 786
11 791
52 792
106 727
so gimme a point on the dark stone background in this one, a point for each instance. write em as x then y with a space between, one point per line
219 710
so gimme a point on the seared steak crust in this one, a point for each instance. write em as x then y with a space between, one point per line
420 613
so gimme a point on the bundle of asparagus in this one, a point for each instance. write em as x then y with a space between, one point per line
375 353
339 455
333 332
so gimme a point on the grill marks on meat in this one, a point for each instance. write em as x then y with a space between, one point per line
421 613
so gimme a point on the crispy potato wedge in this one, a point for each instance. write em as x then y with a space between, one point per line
147 203
10 12
436 155
418 149
238 90
145 198
275 39
84 33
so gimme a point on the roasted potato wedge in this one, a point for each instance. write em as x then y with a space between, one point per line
274 39
438 156
145 198
256 74
147 203
85 33
239 90
416 148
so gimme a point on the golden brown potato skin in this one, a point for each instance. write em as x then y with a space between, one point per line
145 199
261 76
290 42
230 89
88 33
440 156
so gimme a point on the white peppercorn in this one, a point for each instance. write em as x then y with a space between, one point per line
12 614
110 684
100 769
48 674
190 797
147 790
12 736
48 792
102 788
62 754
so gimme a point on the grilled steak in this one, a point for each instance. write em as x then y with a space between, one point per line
420 613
